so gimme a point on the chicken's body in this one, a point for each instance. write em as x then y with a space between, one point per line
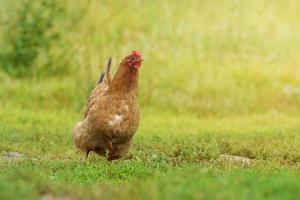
112 115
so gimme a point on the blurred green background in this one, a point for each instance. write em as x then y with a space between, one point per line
220 85
202 57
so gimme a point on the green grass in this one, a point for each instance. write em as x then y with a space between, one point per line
172 157
220 78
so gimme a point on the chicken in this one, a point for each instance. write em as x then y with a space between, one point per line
112 115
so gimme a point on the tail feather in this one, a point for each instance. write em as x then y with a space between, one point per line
106 73
101 77
108 65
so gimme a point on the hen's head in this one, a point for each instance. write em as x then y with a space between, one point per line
134 60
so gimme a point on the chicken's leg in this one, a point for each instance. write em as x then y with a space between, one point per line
87 154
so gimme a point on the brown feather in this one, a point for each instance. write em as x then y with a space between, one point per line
112 115
101 88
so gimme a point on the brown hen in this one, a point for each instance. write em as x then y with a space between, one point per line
112 115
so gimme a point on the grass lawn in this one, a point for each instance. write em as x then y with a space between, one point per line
173 157
219 93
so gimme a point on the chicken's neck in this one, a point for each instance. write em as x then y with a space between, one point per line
125 81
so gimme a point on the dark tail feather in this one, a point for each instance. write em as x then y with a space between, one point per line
107 71
108 65
101 77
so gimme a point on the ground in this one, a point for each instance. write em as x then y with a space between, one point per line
173 157
219 94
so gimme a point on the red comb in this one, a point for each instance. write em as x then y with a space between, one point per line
136 53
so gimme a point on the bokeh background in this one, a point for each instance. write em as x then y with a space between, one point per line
219 93
202 57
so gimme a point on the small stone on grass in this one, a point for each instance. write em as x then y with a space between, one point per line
237 159
13 156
